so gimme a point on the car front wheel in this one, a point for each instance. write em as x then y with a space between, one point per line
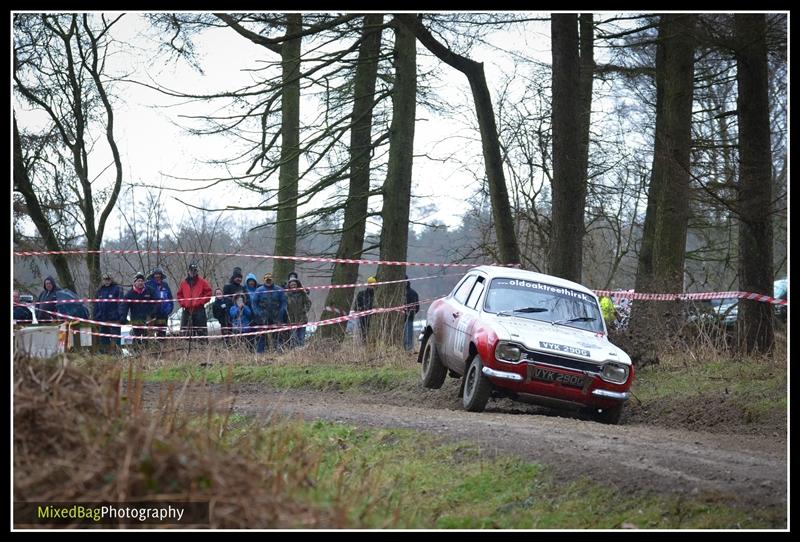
610 416
433 371
476 387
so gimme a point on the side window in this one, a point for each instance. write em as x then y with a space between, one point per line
463 290
472 302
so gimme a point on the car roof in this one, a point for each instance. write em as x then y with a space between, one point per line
494 271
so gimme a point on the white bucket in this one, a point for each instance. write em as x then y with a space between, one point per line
38 341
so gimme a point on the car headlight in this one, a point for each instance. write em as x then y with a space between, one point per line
508 352
614 372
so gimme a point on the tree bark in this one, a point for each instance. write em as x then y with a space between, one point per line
507 245
351 244
663 249
286 227
570 148
755 183
397 188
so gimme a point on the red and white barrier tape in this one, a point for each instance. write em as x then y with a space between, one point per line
159 300
260 330
238 255
700 296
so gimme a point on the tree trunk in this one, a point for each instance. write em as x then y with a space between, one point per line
755 183
570 149
22 184
286 227
508 248
355 210
397 188
663 250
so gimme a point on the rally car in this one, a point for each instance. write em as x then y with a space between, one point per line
528 336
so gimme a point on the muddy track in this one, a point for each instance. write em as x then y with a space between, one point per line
631 457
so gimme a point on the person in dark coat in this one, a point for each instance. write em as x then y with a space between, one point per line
233 287
364 301
412 308
297 306
271 306
159 285
46 304
21 312
108 311
142 314
221 311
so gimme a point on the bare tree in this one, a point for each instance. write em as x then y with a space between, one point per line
59 69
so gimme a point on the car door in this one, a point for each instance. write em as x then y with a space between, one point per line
453 310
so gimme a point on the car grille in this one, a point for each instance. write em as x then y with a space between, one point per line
561 361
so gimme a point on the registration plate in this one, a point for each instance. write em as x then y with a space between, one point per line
540 373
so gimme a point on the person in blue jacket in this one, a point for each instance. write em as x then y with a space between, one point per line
251 286
271 302
108 311
240 315
159 285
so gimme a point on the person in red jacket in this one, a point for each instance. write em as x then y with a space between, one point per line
193 293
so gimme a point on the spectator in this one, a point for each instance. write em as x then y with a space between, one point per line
364 302
108 311
220 309
142 311
250 289
46 305
297 306
193 294
240 315
610 314
271 302
233 287
162 290
412 308
21 312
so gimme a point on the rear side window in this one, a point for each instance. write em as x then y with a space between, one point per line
472 302
463 291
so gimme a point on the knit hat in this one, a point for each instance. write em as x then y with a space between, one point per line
372 280
267 276
292 275
138 276
237 272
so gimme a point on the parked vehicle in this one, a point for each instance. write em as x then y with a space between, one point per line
528 336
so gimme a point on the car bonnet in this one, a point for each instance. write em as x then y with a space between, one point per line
559 340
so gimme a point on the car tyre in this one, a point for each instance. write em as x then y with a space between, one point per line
433 371
610 416
476 387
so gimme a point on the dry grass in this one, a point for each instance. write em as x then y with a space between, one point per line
83 436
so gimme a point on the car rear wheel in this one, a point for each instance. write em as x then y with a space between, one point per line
433 371
476 387
610 416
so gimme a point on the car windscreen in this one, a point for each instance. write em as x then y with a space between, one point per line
540 301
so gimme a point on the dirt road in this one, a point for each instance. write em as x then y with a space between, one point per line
751 470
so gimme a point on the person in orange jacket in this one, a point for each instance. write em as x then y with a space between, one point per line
193 293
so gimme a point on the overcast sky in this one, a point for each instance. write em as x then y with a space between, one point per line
154 149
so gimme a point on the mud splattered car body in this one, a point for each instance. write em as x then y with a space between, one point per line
528 336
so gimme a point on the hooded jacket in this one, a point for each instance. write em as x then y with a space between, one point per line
47 296
250 298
